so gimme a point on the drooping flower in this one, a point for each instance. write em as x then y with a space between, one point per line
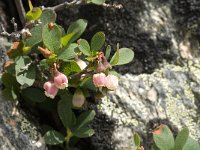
60 80
100 67
50 89
106 64
111 82
78 98
99 79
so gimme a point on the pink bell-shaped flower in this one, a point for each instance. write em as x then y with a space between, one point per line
50 89
106 64
111 82
78 98
99 79
100 67
60 80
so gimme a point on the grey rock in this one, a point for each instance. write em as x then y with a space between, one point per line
17 132
171 93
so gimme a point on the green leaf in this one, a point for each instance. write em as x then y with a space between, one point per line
97 41
114 73
124 56
44 64
163 138
84 47
34 14
65 111
8 80
12 87
25 72
181 139
83 132
98 2
87 83
36 37
53 137
108 50
115 59
84 119
136 140
71 67
191 144
66 39
51 37
9 94
78 27
33 94
66 54
48 16
154 147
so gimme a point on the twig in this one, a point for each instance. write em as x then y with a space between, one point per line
21 10
15 36
14 24
116 6
80 2
65 5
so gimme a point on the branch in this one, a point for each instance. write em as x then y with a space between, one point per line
15 36
66 5
78 3
115 6
21 10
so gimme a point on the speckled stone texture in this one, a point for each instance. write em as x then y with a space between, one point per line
17 132
169 95
162 84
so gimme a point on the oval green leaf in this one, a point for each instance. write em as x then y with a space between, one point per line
78 27
65 111
98 2
51 37
97 41
84 47
53 137
181 139
33 94
121 57
47 16
163 138
83 132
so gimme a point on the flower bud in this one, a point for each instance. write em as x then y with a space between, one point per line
81 64
45 52
101 67
78 98
51 25
60 80
111 82
50 89
106 64
99 79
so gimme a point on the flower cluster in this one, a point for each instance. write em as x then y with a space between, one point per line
60 81
101 80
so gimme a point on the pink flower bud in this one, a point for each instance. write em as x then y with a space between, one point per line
111 82
78 98
99 79
60 80
50 89
106 64
81 64
101 67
